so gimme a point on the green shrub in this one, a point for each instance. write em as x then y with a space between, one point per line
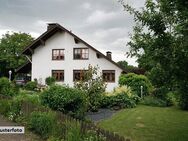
160 92
135 82
92 135
153 101
67 100
105 101
50 81
121 97
5 106
42 123
31 85
24 96
171 98
93 85
7 88
74 133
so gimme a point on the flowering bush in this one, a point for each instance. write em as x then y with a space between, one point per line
93 85
121 97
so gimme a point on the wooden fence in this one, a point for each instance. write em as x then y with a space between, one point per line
4 97
27 108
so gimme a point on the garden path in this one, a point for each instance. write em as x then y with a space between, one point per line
100 115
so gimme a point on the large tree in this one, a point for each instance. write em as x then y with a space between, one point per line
160 41
11 45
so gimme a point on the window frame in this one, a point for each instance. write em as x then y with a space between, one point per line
58 54
110 72
52 72
80 74
81 52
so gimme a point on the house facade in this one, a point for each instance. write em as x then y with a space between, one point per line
63 55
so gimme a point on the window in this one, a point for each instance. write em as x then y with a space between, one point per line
58 54
58 75
81 53
108 75
78 75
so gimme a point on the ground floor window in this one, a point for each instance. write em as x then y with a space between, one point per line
58 75
78 75
108 75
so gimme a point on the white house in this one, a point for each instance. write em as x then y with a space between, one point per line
63 55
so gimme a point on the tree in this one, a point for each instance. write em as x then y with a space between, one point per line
130 68
159 41
123 64
93 85
11 45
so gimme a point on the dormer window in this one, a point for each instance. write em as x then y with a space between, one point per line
81 53
58 54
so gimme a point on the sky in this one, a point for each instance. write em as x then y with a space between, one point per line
102 23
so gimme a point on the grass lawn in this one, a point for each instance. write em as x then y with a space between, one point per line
146 123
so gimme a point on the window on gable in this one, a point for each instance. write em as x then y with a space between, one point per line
108 75
58 75
78 75
81 53
58 54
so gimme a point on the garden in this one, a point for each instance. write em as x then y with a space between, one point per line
59 112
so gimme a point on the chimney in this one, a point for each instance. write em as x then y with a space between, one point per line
109 54
51 25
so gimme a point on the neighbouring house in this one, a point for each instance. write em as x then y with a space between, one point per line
61 54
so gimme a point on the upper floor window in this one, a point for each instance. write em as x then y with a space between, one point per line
78 75
81 53
58 54
108 75
58 75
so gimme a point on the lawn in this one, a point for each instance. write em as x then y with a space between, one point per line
146 123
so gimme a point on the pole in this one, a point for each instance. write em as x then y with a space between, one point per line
141 91
10 72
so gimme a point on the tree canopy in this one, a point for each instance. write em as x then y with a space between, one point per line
11 45
159 41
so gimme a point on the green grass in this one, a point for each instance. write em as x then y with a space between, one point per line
146 123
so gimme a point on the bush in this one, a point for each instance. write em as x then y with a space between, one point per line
5 106
67 100
121 97
135 82
171 98
7 88
153 101
160 92
93 85
74 133
42 123
26 97
50 81
31 86
184 95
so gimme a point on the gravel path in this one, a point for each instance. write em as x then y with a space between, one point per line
100 115
27 136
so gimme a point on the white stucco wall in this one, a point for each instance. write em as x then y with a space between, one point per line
42 63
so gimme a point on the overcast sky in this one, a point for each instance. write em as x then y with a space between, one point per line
101 23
